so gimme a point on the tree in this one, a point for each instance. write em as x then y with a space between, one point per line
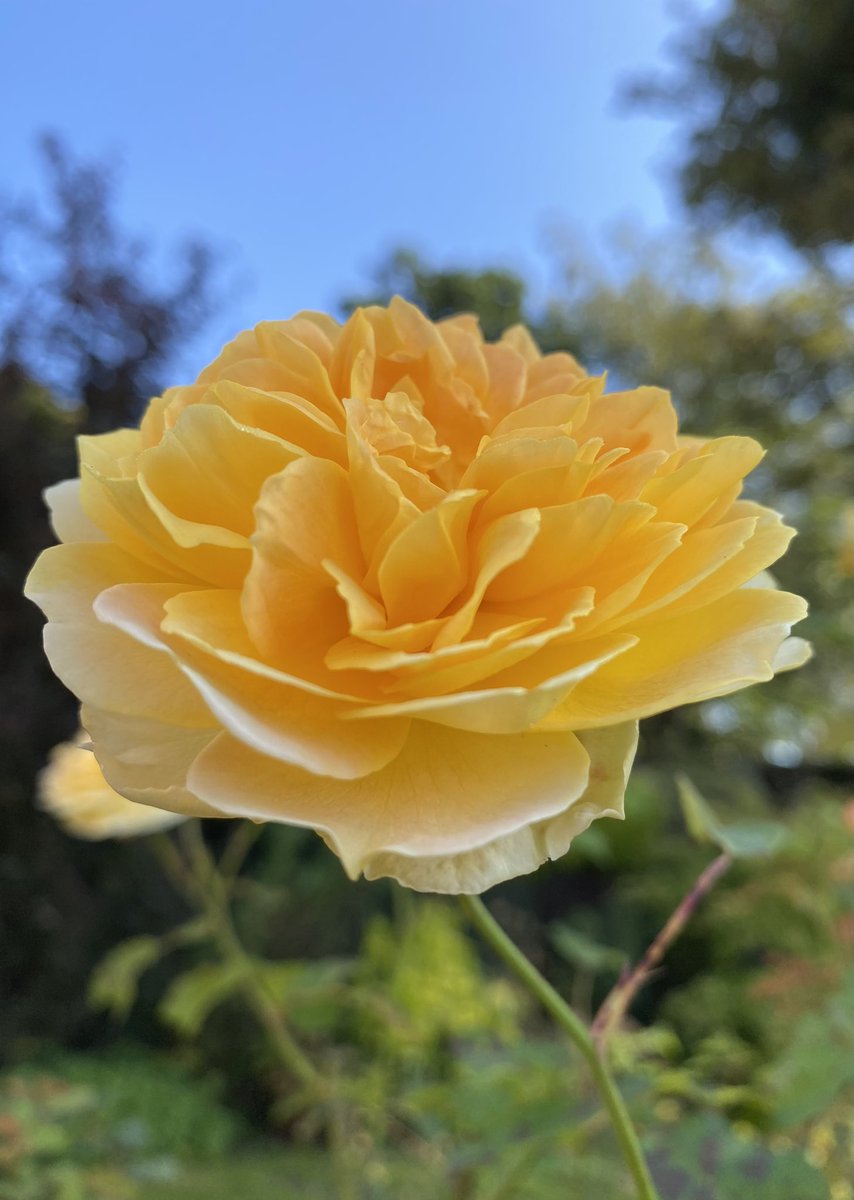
84 317
84 338
766 94
496 295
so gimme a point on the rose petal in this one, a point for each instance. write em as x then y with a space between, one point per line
446 793
688 657
147 760
98 663
67 517
611 753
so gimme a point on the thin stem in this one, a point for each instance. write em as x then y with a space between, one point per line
575 1029
210 892
237 848
618 1001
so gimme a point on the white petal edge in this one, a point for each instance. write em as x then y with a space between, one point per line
445 794
67 518
611 751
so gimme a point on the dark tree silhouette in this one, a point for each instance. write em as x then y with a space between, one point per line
85 336
84 316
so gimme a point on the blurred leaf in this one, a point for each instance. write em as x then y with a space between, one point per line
583 952
752 839
311 992
115 980
191 931
701 821
741 839
700 1158
195 994
816 1065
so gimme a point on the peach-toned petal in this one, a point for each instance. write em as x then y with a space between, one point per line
390 581
292 418
426 565
381 508
147 760
72 788
704 653
687 494
571 539
504 543
204 476
712 562
611 753
351 370
499 709
641 420
792 653
300 370
99 664
519 339
118 506
554 374
304 519
274 714
561 412
479 659
447 792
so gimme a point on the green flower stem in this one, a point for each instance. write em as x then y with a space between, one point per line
577 1032
211 893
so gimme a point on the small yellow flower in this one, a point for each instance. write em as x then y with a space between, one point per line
405 587
73 789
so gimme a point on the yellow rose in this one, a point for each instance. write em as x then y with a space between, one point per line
73 789
405 587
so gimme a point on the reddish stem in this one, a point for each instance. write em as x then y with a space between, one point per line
618 1001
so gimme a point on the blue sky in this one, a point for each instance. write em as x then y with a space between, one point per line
305 140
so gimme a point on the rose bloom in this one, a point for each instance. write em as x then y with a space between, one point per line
405 587
73 789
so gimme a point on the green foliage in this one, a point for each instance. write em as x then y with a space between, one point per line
115 981
742 839
195 993
773 138
425 969
86 333
817 1064
312 993
702 1158
582 951
93 1129
153 1103
496 296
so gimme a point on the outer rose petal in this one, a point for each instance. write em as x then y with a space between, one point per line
445 794
611 754
146 718
67 517
100 664
272 712
705 653
147 761
793 653
73 789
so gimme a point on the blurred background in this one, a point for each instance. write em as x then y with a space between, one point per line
668 192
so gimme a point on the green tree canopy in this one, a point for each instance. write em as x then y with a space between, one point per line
765 95
496 295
